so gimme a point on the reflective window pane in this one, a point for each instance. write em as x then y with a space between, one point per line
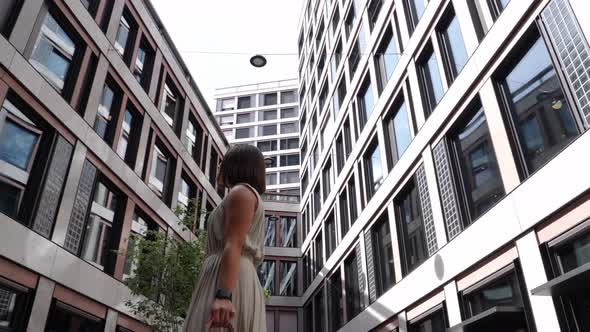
455 46
288 232
63 318
270 231
288 279
266 274
122 36
12 305
96 240
383 255
53 52
435 322
431 81
373 169
400 131
17 145
543 119
574 254
245 117
502 292
479 169
9 199
413 237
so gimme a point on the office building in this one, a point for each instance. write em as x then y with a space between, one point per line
103 133
265 115
444 165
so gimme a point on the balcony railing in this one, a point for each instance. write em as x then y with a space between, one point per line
278 197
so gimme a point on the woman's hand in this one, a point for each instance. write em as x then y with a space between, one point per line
222 313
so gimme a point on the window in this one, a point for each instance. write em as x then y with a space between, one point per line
539 114
268 115
97 235
387 58
54 52
170 106
270 230
64 318
398 131
271 179
287 278
289 113
567 257
269 99
129 137
337 55
373 169
103 124
289 128
497 7
430 80
266 146
266 274
335 306
289 143
226 120
244 102
354 59
340 158
327 179
317 206
245 117
143 63
8 12
289 177
323 97
349 22
453 46
244 132
319 310
288 97
340 94
415 9
382 255
502 290
366 102
159 171
271 161
319 252
122 38
288 231
267 130
412 236
194 141
186 194
139 228
373 10
331 239
19 142
435 322
14 302
347 137
290 160
478 173
352 287
228 104
213 166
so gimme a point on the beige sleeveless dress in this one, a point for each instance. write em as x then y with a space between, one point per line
248 295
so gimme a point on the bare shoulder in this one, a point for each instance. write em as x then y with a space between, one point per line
242 196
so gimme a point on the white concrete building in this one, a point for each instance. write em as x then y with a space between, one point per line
445 165
265 115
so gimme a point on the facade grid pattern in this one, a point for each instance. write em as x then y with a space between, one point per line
78 220
54 180
427 215
572 50
446 189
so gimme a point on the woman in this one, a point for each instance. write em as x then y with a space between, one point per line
228 293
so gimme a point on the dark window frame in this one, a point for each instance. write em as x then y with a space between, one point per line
23 305
429 102
535 32
446 51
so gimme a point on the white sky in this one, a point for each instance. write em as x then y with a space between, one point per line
234 26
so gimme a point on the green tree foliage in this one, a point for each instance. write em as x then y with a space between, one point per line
165 270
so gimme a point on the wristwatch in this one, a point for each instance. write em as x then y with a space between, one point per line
223 294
